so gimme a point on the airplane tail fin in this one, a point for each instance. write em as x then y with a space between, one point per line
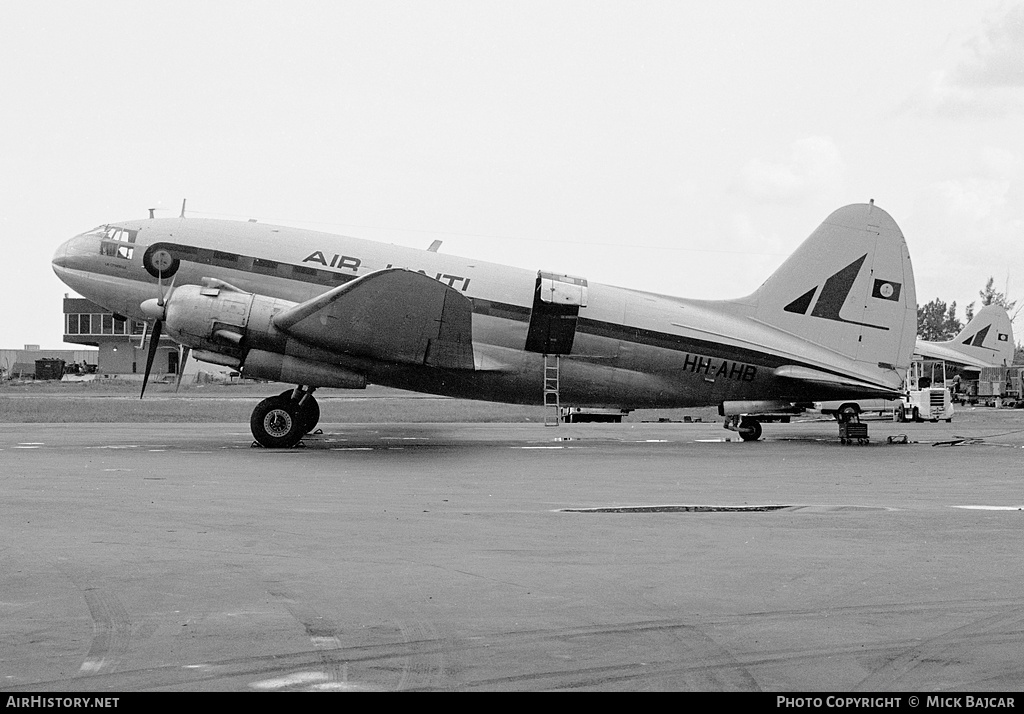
848 289
988 338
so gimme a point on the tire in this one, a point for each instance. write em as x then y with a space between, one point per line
901 413
309 414
847 412
750 430
276 423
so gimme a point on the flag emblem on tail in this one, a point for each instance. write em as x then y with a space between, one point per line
886 290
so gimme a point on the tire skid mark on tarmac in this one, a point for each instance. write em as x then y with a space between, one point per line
592 656
323 635
667 655
422 669
370 662
112 627
924 662
413 668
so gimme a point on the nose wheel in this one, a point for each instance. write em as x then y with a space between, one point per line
281 421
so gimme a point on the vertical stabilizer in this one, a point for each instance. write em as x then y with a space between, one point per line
848 288
986 340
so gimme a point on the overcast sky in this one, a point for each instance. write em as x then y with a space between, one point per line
681 147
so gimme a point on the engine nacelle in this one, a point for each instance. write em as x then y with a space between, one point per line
285 368
219 317
229 326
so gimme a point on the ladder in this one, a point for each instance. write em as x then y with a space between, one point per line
552 407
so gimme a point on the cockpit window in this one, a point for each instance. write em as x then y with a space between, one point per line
116 242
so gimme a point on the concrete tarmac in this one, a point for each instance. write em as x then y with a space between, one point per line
140 557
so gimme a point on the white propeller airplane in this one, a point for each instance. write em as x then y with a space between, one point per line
837 319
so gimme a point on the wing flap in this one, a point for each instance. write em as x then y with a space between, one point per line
394 315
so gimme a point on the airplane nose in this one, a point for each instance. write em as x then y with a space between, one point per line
77 253
60 257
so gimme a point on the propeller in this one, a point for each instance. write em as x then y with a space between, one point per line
155 308
183 351
154 343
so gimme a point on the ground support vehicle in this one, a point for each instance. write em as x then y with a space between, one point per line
927 397
578 415
1001 386
853 429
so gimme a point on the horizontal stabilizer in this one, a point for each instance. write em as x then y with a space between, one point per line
395 315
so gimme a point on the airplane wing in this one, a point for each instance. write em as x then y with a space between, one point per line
394 314
849 386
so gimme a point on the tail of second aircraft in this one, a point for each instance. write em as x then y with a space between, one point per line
848 293
987 340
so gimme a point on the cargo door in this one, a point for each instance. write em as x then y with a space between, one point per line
557 300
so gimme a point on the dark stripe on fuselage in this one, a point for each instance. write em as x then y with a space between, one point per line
680 343
481 306
259 266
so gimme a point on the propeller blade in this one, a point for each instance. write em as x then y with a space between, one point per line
165 296
154 343
183 351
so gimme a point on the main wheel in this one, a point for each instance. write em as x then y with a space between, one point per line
276 423
309 413
750 430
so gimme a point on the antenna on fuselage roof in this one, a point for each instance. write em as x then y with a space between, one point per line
182 208
151 212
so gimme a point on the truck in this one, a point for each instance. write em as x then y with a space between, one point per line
926 397
1001 386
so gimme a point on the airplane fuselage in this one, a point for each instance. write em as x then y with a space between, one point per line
627 348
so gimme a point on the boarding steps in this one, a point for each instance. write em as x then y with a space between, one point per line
552 406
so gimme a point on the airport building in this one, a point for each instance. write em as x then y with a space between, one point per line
121 352
119 348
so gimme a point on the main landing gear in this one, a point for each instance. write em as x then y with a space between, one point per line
280 422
